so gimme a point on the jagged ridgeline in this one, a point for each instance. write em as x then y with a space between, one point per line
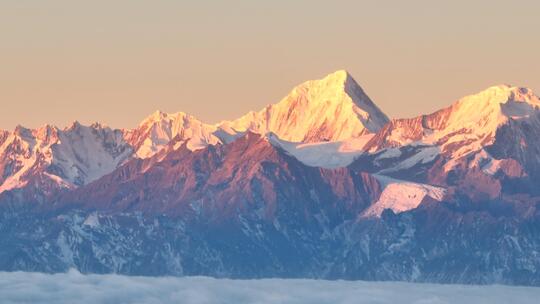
319 185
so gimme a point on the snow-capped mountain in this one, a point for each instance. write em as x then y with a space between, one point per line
331 110
473 145
334 108
66 158
224 180
474 119
318 185
156 131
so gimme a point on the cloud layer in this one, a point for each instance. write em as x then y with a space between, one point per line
73 287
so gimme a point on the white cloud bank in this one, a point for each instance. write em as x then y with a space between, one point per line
73 287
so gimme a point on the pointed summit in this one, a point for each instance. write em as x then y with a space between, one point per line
339 76
330 109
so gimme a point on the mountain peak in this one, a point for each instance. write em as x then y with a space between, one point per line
473 119
336 83
496 104
47 133
21 130
329 109
157 130
338 76
494 94
160 119
158 114
501 94
73 126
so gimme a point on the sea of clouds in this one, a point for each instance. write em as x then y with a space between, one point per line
73 287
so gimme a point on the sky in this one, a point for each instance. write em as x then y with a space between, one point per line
118 61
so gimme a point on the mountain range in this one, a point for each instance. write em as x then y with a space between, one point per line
321 184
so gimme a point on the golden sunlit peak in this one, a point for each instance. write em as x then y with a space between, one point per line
504 92
158 114
339 75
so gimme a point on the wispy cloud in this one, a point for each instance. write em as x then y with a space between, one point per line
73 287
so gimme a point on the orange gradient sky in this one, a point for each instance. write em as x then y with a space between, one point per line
118 61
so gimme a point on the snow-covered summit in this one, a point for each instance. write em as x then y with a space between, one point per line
492 107
322 122
157 130
488 132
330 109
334 108
472 118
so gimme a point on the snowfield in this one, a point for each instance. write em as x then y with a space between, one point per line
73 287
